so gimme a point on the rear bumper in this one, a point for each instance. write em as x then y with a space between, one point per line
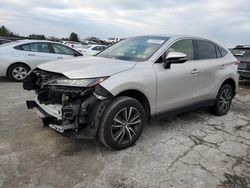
244 74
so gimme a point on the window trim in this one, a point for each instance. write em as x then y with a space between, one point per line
219 47
19 47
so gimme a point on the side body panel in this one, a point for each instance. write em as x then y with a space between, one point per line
141 78
177 86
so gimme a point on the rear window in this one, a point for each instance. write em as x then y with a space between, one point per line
222 51
34 47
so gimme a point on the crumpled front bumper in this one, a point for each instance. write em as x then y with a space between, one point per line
66 109
43 110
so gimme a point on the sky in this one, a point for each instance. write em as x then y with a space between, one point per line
227 21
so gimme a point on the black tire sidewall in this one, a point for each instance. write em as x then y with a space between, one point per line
107 121
12 67
218 111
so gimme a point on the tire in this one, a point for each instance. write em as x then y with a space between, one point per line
115 132
17 72
223 101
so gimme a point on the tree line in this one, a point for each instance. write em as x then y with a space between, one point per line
5 32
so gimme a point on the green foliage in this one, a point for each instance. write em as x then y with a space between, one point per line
37 37
73 37
4 32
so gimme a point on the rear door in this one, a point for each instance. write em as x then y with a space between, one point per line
63 52
212 68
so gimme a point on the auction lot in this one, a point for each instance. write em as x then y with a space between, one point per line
194 149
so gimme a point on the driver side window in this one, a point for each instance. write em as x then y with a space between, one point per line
184 46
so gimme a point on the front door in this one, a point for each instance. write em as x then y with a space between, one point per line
177 86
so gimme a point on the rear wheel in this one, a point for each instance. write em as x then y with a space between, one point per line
223 101
122 123
17 72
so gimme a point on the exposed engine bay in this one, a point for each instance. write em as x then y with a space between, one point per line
66 108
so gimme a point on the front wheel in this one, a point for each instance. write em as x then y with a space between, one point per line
122 123
223 100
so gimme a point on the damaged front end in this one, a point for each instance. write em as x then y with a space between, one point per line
67 105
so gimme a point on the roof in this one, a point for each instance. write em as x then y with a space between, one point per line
243 46
31 40
177 36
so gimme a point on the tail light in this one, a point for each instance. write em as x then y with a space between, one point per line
237 62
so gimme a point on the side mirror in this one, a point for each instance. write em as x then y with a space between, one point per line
174 58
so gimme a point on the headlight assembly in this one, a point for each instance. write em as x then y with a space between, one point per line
89 82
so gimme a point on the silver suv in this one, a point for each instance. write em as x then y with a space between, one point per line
112 95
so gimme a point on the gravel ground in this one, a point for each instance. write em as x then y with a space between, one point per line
194 149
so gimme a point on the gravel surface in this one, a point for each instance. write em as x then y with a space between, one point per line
194 149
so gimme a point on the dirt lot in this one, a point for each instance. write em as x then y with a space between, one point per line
194 149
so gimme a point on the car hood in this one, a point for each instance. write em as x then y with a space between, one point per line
87 67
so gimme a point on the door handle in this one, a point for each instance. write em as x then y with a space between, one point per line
31 54
59 57
195 71
222 67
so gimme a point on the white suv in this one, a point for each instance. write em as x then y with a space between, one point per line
112 95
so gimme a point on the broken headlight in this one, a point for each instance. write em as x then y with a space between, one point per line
89 82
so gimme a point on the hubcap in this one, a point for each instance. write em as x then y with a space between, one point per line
225 100
126 125
19 73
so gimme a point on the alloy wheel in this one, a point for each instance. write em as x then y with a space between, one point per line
126 125
19 73
225 100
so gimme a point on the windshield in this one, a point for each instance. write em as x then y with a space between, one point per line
135 48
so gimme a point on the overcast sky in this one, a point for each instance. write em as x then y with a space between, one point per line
227 21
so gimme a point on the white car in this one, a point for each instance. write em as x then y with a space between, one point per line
112 40
90 50
19 57
73 44
112 95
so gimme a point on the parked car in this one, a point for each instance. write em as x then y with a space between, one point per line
73 44
3 41
112 95
19 57
242 53
90 50
112 40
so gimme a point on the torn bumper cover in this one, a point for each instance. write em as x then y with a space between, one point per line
68 108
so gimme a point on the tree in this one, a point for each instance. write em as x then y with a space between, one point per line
73 37
37 37
6 32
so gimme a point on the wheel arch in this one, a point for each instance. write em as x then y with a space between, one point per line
139 96
231 82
